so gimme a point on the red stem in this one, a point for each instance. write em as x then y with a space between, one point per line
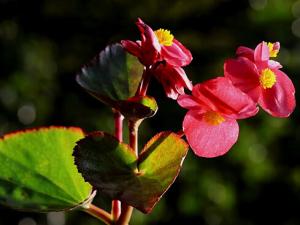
125 215
133 135
133 142
99 214
118 117
126 211
180 133
143 87
116 204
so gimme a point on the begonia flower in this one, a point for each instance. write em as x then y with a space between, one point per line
210 125
261 78
157 46
173 79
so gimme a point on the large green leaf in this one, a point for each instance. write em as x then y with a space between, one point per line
115 171
112 76
37 171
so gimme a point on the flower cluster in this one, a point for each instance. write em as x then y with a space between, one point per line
163 57
261 78
249 80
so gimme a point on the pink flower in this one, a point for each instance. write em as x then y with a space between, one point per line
210 124
173 79
255 74
157 46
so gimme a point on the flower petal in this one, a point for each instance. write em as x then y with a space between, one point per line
245 52
181 77
132 47
261 52
150 47
176 54
244 75
173 79
221 96
279 101
209 140
276 46
272 64
189 102
148 37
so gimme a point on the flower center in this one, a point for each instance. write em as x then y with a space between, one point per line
164 37
267 78
273 51
213 118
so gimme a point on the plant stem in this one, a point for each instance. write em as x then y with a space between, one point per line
118 117
180 133
143 87
116 204
133 135
125 215
99 214
133 142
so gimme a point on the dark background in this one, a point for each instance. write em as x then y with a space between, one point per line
44 43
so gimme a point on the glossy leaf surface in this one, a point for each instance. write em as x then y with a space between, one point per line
112 76
138 107
115 171
37 171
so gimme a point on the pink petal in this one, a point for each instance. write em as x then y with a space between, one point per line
274 65
221 96
148 36
150 47
132 47
176 54
181 78
279 101
189 102
261 52
170 93
276 46
244 75
245 52
173 79
209 140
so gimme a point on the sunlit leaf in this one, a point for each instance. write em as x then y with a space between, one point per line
37 171
138 107
113 168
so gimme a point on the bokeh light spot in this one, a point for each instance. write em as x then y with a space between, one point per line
26 114
27 221
296 28
258 4
56 218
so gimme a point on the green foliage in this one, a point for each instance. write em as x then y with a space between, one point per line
262 174
138 107
37 171
113 168
112 76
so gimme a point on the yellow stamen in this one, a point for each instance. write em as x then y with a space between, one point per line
267 78
164 37
213 118
272 52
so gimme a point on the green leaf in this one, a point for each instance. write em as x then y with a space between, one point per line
37 171
112 76
113 168
138 107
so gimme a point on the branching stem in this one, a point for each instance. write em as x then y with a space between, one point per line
99 214
133 142
143 87
116 204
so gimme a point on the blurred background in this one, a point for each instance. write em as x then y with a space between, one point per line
43 44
